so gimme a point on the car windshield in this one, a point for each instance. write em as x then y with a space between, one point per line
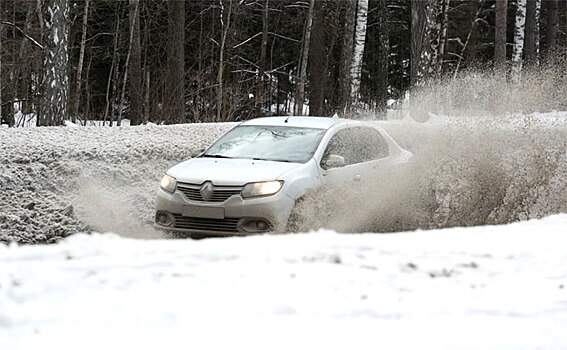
261 142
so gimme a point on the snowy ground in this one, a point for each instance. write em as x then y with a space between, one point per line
492 287
466 171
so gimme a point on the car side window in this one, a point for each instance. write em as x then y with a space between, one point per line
372 145
357 145
341 144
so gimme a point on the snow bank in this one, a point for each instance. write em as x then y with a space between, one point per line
492 287
57 181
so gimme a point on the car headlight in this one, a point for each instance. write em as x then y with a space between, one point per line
258 189
168 183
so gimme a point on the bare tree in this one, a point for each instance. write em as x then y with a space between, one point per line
383 56
347 52
551 35
175 100
519 31
530 36
55 79
135 65
500 36
1 40
300 96
224 34
322 43
426 34
78 81
260 98
359 41
112 80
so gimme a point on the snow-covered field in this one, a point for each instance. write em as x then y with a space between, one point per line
491 287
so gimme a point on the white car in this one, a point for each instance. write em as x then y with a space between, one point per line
249 180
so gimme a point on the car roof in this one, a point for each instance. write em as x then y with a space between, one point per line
301 122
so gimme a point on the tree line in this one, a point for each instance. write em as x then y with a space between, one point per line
174 61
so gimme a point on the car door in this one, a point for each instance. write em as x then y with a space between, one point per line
365 152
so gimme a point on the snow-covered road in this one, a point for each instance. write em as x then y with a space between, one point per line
492 287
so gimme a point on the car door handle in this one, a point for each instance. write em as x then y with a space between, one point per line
357 178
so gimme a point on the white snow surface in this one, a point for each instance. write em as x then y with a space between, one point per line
491 287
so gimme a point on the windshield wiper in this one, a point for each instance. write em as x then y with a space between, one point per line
214 156
273 160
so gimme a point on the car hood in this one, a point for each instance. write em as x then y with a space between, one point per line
229 172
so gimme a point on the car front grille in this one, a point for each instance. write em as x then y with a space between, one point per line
220 193
202 224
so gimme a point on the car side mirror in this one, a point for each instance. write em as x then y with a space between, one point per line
195 152
335 161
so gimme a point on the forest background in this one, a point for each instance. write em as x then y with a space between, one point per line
172 61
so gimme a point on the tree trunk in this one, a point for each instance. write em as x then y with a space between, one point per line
260 85
519 30
500 36
113 74
418 34
77 101
55 79
346 57
318 53
551 34
18 80
383 57
224 33
530 36
426 45
442 37
175 100
359 41
135 66
1 40
300 96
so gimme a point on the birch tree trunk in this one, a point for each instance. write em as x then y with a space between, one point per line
346 57
175 101
55 79
77 101
135 66
260 85
519 30
300 96
359 41
530 35
537 29
224 33
500 36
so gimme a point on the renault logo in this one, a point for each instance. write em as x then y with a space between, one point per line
206 191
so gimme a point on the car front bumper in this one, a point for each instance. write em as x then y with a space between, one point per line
235 216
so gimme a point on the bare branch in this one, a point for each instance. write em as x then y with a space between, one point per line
26 35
